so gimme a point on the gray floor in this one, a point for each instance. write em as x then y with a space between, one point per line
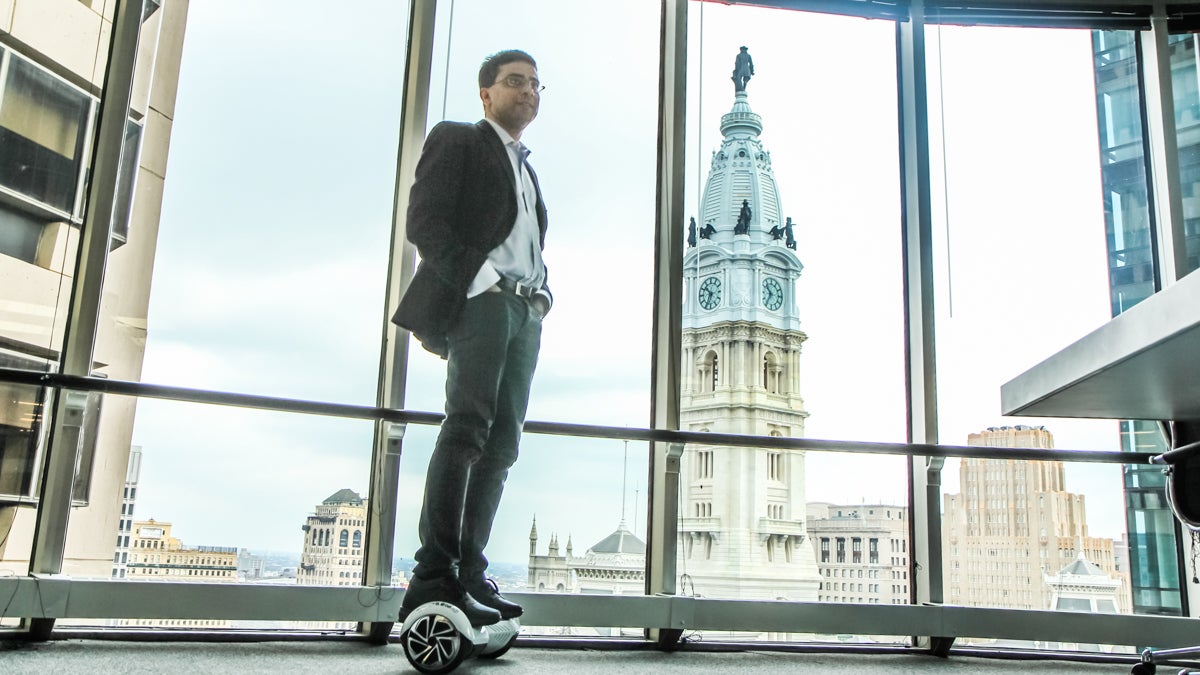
325 657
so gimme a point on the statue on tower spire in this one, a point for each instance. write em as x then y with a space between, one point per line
743 70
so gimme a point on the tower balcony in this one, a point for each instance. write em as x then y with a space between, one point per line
706 524
771 527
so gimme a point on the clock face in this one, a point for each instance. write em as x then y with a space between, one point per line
710 293
772 294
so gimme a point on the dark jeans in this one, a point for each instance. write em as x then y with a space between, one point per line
493 352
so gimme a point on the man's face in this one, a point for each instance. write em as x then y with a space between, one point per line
513 98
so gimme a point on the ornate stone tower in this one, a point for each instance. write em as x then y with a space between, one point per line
743 514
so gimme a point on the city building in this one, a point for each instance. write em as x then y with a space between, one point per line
53 58
155 555
1083 587
1013 525
333 542
615 565
861 551
128 501
251 567
1133 273
742 521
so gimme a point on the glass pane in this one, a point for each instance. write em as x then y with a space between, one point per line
270 256
267 264
1021 271
1123 169
1186 87
21 412
123 205
43 127
595 159
600 201
792 296
262 497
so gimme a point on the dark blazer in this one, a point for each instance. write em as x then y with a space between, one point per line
462 205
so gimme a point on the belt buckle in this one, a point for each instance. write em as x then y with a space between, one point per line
522 290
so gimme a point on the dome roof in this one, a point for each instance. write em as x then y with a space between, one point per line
621 541
344 496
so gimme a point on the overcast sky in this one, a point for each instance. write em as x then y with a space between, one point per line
272 254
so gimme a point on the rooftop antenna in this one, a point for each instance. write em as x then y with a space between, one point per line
624 478
635 509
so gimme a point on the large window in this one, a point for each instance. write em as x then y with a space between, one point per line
1021 270
792 284
573 516
43 124
264 273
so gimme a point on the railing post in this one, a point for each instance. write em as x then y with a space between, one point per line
663 492
924 472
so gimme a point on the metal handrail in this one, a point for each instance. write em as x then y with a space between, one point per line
706 438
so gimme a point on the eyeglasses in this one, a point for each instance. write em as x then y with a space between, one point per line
520 82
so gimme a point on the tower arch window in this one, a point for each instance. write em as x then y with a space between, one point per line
772 374
344 539
357 538
775 466
704 464
709 372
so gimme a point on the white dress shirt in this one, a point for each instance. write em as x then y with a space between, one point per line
519 257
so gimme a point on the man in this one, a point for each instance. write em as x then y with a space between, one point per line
477 299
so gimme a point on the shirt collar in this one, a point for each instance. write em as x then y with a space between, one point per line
505 137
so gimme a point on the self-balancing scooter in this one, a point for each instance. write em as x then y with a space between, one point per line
437 637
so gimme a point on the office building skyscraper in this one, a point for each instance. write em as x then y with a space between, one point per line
1013 525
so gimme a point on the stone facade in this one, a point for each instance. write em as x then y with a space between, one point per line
861 551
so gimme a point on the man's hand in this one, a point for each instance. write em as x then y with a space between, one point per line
541 305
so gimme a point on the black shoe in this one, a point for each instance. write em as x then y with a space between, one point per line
449 590
488 594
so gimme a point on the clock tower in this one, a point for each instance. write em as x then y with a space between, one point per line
742 520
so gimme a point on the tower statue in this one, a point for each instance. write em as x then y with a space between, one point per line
743 222
743 70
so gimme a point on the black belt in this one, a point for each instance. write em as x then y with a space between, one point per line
517 287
